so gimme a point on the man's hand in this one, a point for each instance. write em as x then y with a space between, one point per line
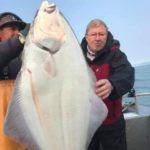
103 88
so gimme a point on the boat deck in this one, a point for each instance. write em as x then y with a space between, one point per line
138 133
138 128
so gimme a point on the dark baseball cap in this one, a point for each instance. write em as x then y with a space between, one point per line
8 18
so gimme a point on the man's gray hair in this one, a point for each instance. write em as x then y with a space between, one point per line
95 23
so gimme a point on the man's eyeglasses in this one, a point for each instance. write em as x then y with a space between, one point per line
95 34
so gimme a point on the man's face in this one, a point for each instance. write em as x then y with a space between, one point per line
96 38
7 33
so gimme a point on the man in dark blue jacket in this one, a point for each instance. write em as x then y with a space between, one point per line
115 77
11 44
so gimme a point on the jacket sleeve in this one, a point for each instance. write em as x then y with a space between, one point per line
9 50
122 75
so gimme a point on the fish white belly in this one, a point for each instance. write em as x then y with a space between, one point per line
54 105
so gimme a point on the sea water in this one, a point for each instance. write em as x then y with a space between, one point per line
142 84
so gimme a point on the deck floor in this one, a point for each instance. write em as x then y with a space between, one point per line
138 129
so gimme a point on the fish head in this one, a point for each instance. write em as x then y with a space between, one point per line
48 29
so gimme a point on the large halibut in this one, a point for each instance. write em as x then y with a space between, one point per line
54 105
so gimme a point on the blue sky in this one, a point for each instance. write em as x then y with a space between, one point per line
128 20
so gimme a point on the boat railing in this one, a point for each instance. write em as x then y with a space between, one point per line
133 105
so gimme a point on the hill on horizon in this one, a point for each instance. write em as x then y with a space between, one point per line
142 64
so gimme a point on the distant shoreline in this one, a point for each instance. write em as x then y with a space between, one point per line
142 64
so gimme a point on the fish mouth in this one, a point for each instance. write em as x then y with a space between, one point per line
50 9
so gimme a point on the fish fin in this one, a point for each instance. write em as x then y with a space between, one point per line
19 124
98 111
98 114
